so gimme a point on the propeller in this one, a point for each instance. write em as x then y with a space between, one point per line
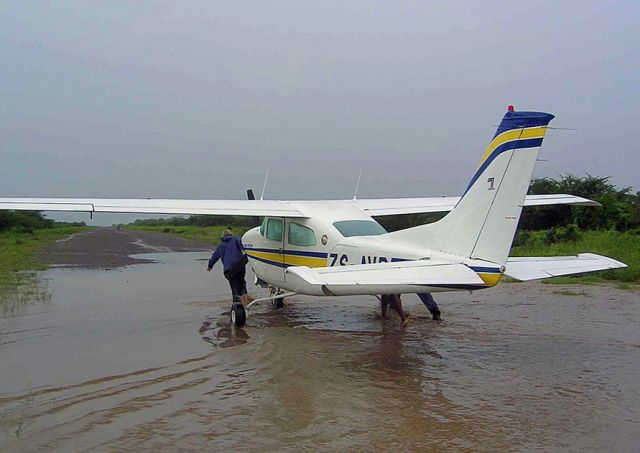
251 196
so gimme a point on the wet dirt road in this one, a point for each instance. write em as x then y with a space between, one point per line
141 358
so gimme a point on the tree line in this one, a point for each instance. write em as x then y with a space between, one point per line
28 221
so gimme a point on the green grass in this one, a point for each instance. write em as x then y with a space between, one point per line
623 247
18 253
210 234
568 292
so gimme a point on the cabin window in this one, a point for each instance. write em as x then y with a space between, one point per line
274 229
301 235
349 228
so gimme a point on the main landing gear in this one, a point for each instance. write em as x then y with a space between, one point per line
277 302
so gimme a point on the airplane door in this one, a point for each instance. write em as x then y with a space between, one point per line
274 254
301 245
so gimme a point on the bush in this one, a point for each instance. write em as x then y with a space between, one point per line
551 236
620 208
23 221
522 238
571 233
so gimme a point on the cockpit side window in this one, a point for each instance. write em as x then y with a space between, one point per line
301 235
274 229
349 228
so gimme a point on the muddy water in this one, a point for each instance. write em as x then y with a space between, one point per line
141 358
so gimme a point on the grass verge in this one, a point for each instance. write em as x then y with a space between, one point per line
623 247
18 253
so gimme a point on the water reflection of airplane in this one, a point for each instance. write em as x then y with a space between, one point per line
336 247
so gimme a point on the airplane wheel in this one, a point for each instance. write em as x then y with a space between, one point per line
279 303
238 315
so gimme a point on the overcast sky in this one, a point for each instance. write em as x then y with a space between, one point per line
200 99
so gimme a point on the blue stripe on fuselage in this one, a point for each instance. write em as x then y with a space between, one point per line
289 252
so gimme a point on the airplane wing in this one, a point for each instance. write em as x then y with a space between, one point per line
381 278
262 208
395 206
534 268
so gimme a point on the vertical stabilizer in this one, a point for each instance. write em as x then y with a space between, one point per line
483 223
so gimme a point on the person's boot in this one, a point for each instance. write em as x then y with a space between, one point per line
248 299
436 315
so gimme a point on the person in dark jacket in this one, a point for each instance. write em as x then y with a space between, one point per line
231 252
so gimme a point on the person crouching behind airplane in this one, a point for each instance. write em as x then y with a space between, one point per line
231 252
396 304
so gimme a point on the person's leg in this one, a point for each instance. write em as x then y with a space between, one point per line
397 304
242 282
235 288
429 302
384 303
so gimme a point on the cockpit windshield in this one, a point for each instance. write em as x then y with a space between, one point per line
349 228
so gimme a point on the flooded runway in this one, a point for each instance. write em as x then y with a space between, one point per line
142 358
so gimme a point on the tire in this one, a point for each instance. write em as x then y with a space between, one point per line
279 303
238 315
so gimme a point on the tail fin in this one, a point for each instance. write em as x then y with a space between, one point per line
484 221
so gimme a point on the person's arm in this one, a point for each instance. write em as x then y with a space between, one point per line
214 258
240 245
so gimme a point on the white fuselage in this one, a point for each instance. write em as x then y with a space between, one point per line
315 241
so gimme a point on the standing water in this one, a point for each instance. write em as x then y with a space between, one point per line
142 358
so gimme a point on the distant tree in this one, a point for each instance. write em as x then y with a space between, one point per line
23 221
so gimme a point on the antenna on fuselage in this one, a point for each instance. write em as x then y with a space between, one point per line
355 192
264 186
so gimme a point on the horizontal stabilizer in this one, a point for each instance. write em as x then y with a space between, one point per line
534 268
380 278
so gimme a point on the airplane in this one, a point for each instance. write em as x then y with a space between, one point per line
336 248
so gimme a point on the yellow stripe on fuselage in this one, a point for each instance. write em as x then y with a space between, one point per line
513 134
295 260
291 260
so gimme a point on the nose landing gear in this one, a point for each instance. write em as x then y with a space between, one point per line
238 314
